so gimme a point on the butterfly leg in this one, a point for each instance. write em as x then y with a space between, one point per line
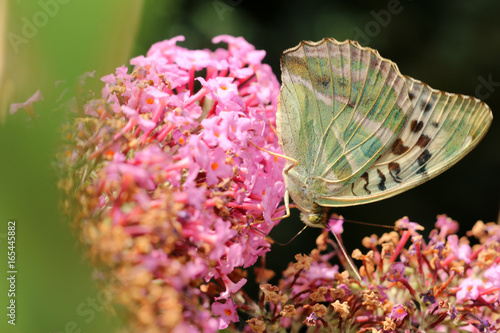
294 164
294 161
287 208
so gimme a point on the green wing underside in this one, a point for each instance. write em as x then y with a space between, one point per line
360 130
340 106
441 129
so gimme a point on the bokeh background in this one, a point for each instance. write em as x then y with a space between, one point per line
451 45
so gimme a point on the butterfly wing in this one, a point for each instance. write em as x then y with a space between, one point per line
341 105
440 129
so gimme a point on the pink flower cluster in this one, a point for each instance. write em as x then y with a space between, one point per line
177 175
440 285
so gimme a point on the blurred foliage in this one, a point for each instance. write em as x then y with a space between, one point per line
48 44
451 45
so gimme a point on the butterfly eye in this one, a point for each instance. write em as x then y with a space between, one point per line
316 219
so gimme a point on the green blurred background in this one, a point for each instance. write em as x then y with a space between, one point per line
451 45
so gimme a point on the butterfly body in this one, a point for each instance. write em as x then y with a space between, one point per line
359 131
304 194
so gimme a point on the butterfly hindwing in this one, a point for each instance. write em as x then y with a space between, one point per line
441 128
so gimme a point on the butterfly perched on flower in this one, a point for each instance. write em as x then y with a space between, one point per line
355 130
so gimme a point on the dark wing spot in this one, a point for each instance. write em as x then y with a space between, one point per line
423 104
374 64
394 170
398 147
325 80
365 177
424 157
416 126
435 124
411 95
422 160
381 184
426 106
423 141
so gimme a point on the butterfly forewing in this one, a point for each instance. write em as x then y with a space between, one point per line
340 106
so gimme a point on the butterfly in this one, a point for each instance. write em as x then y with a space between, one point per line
354 130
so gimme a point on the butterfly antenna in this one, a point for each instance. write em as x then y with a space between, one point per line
283 244
377 225
348 258
276 242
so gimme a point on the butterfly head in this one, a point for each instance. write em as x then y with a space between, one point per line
315 218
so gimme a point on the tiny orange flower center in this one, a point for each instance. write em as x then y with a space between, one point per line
215 165
227 312
149 100
181 140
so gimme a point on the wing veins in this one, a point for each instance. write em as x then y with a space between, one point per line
323 138
409 151
364 141
457 115
354 111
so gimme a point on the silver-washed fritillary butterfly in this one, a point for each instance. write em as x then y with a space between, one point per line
355 130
